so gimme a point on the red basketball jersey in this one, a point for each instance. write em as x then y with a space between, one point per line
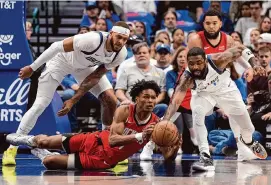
208 48
121 153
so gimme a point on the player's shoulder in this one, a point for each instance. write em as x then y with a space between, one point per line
123 110
91 38
195 41
196 36
155 118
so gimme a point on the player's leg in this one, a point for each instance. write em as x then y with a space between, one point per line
45 93
235 108
104 92
48 82
39 141
187 117
201 106
109 105
73 145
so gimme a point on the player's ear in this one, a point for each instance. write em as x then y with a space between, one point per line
220 25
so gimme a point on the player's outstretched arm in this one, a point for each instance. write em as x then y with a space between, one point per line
117 138
89 82
170 153
186 82
221 60
57 47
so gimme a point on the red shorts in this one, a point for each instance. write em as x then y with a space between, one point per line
88 149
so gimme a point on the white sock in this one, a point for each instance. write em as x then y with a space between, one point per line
41 153
11 147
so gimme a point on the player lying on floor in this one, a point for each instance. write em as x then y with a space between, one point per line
131 129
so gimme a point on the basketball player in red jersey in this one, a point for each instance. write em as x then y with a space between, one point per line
131 129
212 40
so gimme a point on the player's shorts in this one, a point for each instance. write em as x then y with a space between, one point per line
58 68
231 102
89 151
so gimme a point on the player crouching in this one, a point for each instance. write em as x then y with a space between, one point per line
131 129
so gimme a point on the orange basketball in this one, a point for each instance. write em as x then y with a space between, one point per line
165 133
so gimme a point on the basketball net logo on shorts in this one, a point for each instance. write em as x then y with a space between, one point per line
6 58
15 95
7 5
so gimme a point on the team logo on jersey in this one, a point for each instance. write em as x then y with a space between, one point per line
221 48
214 81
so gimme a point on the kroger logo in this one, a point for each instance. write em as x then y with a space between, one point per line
6 58
7 4
7 39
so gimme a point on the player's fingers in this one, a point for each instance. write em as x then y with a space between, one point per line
62 112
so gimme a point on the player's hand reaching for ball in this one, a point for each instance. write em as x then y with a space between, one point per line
147 131
170 152
67 105
25 72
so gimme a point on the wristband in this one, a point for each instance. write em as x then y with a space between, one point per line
139 136
244 63
247 54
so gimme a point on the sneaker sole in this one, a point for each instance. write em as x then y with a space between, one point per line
201 168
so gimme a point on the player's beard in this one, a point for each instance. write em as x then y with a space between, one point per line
202 74
211 36
112 45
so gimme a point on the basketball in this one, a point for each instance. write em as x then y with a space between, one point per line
165 133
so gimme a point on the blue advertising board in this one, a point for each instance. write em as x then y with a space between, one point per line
15 54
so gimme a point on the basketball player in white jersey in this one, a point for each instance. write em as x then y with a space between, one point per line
212 86
87 57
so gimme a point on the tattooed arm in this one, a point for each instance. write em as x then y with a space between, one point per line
185 83
221 60
89 82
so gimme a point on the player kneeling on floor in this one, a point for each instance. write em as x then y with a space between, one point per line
131 129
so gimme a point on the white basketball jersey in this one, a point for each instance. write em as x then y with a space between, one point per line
216 81
90 51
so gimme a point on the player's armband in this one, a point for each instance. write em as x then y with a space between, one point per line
247 54
139 136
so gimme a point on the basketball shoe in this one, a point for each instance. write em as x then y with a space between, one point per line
205 163
250 151
20 139
256 148
9 157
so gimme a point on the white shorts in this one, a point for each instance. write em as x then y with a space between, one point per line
57 69
231 102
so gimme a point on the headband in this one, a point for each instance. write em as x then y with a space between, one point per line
121 30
